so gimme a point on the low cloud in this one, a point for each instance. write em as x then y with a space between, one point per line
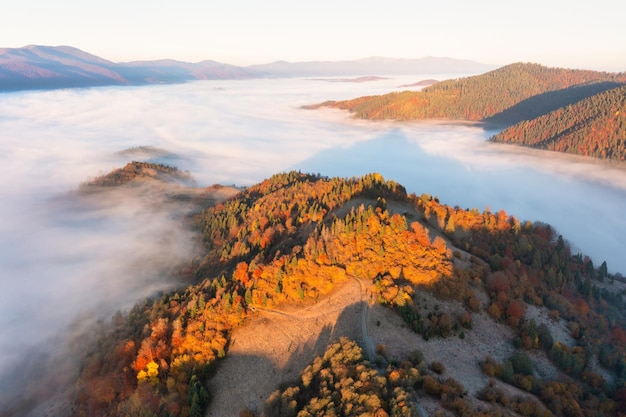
72 260
62 257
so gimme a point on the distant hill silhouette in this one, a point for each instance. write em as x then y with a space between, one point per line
35 67
373 65
422 83
47 67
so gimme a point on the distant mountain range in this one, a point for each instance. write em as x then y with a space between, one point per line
47 67
372 66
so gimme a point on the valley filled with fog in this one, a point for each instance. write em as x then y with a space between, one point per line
62 258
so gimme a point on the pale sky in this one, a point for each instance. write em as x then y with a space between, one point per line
566 33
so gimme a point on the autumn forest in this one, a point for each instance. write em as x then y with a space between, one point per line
292 240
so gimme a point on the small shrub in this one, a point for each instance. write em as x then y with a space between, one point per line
437 367
416 357
381 350
521 364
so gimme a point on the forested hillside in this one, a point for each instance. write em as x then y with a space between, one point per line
504 96
595 126
293 240
566 110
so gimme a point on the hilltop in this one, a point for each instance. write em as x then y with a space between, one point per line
139 171
348 296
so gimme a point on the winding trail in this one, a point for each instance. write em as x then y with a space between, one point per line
275 345
368 344
313 312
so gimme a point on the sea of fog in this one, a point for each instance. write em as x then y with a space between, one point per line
60 259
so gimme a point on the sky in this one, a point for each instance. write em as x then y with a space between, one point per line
244 32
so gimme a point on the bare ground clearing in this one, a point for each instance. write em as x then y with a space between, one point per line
275 346
460 357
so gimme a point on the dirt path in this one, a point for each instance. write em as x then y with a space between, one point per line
367 343
276 345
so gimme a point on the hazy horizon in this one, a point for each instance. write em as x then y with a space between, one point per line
243 32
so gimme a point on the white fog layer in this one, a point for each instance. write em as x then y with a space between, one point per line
60 258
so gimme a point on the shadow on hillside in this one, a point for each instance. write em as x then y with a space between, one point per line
547 102
231 392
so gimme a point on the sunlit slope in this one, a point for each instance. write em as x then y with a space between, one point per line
289 242
595 126
139 171
504 96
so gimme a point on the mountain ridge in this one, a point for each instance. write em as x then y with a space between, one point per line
375 65
48 67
